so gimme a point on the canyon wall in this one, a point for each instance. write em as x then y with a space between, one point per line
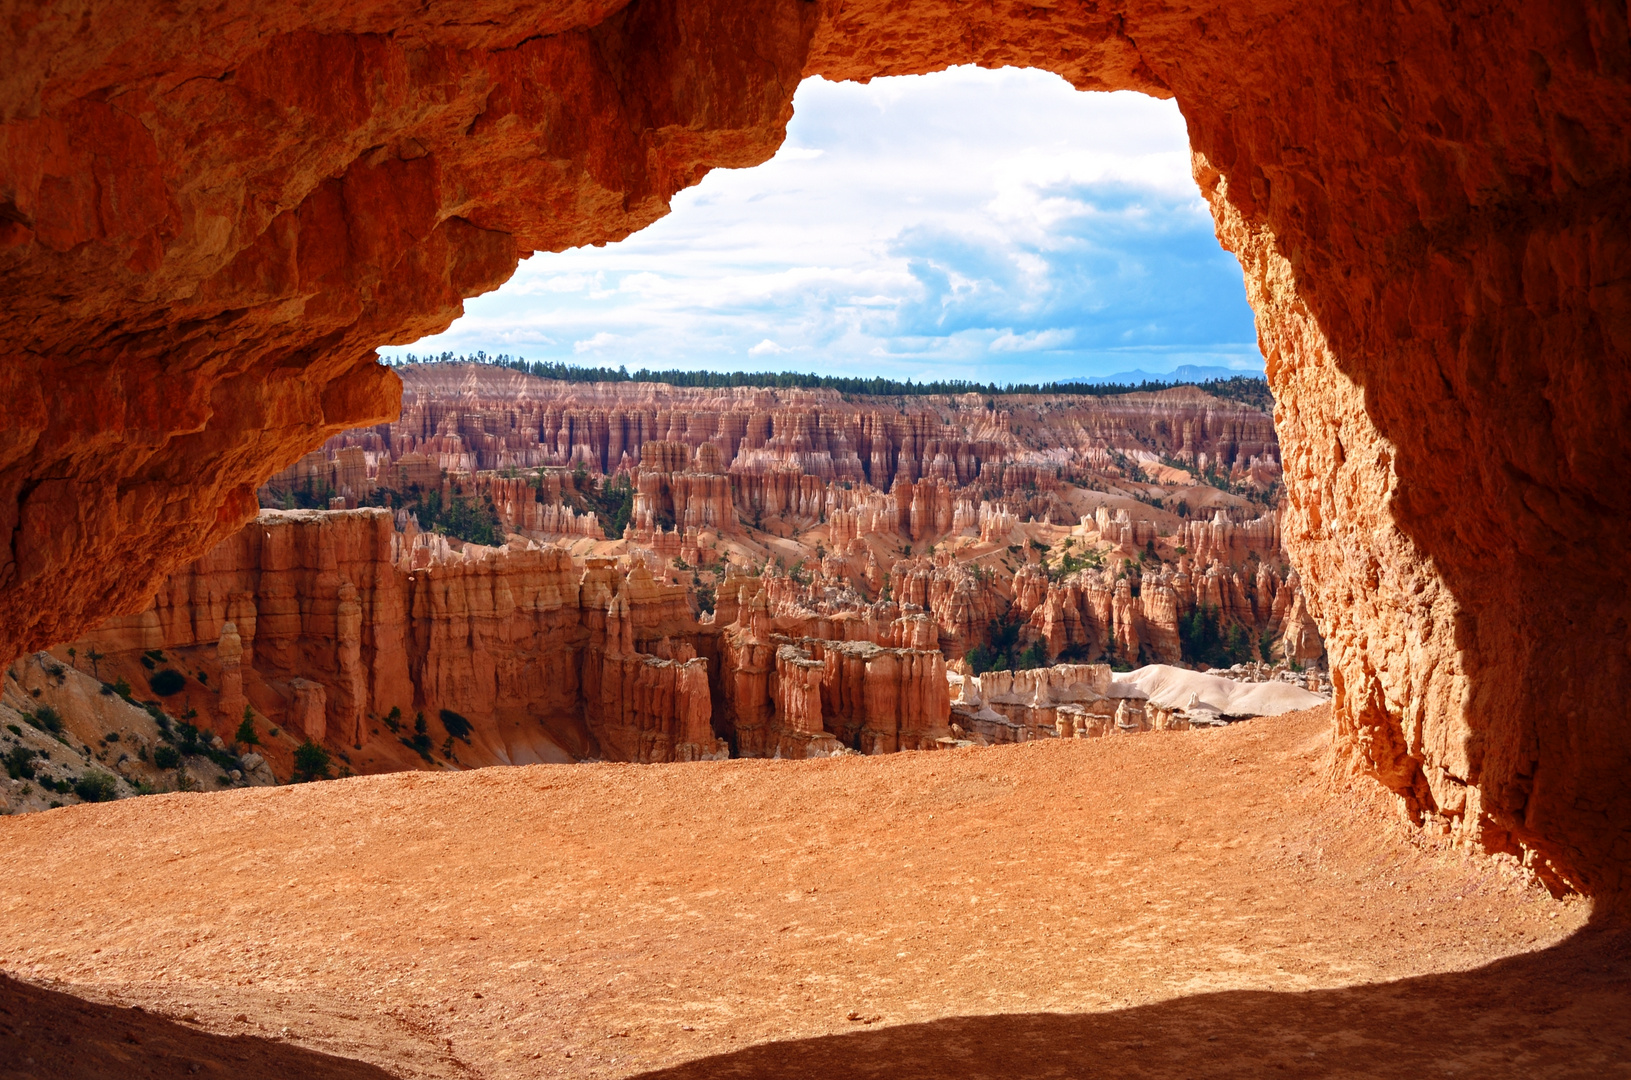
344 631
208 219
474 417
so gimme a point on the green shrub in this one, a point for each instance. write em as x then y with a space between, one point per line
122 688
246 732
456 725
19 762
166 757
96 787
310 763
46 719
393 719
168 682
419 744
14 729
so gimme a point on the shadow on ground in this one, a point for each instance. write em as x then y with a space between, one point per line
1561 1012
48 1035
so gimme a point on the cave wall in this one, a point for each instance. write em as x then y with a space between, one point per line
210 217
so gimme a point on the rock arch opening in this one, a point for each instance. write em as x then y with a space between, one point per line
205 232
997 226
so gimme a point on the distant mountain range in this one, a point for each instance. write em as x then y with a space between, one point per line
1187 373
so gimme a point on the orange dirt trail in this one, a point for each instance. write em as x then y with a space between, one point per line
1200 904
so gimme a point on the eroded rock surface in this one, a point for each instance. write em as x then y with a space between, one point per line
208 219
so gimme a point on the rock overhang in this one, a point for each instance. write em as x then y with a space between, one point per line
209 221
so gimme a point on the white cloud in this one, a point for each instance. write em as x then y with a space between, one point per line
1008 341
1000 225
594 344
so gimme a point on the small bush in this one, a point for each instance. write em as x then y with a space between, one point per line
393 719
456 725
122 688
14 729
168 682
46 719
166 757
96 787
246 732
149 663
19 762
310 763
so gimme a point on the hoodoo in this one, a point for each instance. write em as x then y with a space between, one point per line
209 220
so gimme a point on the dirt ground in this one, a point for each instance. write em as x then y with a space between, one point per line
1206 904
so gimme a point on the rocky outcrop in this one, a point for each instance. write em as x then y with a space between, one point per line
66 737
335 625
209 218
816 696
1066 701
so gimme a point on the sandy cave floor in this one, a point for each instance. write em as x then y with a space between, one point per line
1201 904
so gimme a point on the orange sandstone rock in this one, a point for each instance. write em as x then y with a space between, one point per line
209 218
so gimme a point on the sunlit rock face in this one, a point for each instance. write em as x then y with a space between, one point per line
209 220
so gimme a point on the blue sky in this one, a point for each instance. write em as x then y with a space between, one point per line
998 226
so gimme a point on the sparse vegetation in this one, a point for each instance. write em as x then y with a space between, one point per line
455 725
96 786
311 762
471 520
167 682
46 719
1204 641
1248 390
19 762
420 743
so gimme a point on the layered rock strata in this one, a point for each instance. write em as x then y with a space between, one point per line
395 648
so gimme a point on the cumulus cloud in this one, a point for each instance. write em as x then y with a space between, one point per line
973 224
594 344
1008 341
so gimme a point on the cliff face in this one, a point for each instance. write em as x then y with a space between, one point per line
335 627
326 622
208 219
